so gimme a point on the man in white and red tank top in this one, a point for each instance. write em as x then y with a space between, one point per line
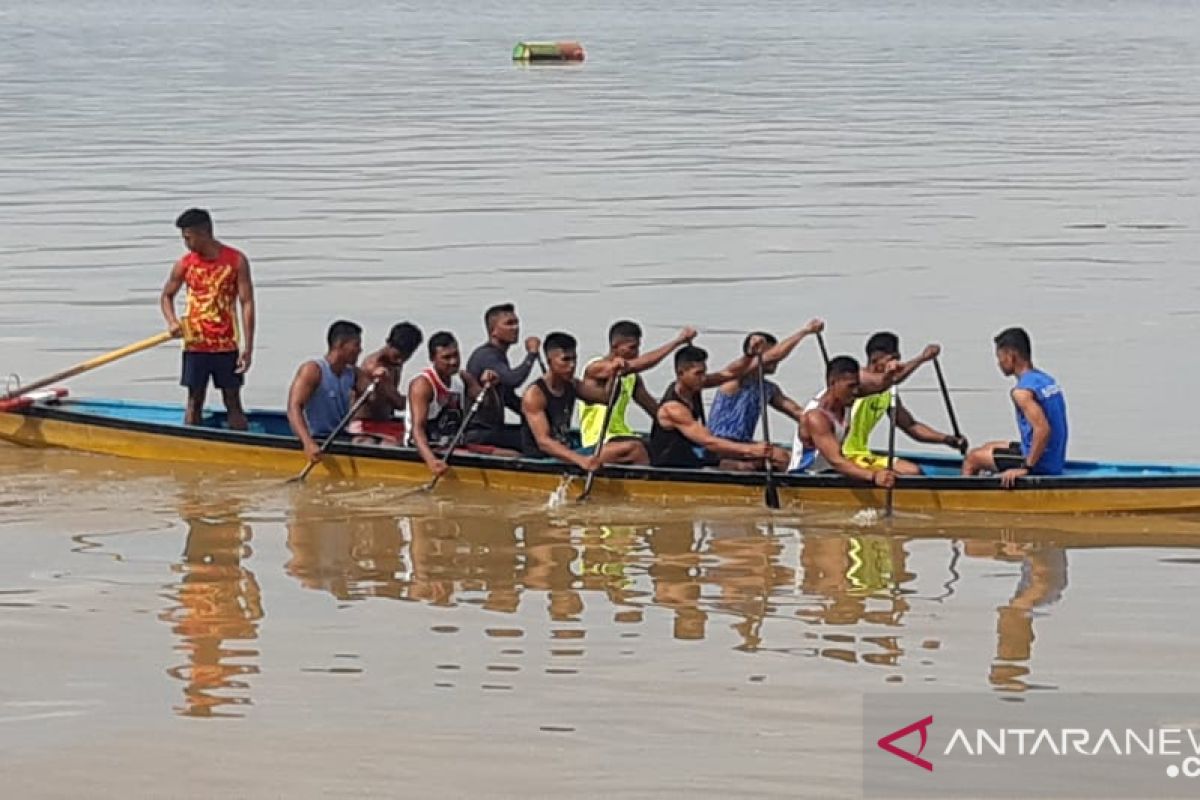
218 279
822 430
438 399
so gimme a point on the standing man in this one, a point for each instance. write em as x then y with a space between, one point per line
218 279
376 421
504 330
1041 418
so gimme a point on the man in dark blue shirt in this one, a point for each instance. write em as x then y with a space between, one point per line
504 330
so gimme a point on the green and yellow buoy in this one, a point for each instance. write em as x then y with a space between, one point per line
548 51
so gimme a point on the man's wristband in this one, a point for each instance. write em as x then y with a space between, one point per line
1025 465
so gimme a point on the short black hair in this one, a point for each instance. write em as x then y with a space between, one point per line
624 329
689 355
884 342
1016 339
559 341
194 218
839 366
341 331
490 315
439 340
770 340
405 337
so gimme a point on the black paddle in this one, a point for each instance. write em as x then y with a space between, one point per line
893 404
824 350
937 366
458 435
770 492
612 401
336 431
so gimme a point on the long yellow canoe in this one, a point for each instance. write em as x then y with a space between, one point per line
155 432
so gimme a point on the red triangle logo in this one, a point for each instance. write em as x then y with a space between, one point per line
913 758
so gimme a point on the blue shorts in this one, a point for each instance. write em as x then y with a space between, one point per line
221 368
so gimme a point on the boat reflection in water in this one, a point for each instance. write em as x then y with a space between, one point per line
830 592
837 596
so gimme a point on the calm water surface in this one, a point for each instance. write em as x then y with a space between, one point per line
929 167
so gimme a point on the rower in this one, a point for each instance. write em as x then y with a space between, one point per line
320 396
1041 418
736 410
548 404
437 400
818 444
376 421
624 349
883 351
487 430
680 439
218 279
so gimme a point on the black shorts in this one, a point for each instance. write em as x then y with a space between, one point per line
506 437
198 368
1009 457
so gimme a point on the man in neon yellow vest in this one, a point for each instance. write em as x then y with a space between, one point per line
624 346
883 348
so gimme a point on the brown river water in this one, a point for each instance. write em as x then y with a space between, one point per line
934 168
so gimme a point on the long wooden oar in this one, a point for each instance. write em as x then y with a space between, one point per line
937 366
608 411
770 491
462 429
893 405
366 395
90 364
824 349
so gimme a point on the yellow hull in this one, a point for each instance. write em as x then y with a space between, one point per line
167 444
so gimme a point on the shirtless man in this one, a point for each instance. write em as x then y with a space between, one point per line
376 421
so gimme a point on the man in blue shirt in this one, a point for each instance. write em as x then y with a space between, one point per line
1041 418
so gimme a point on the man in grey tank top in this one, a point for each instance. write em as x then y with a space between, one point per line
323 390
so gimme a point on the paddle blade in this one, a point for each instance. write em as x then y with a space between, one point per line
771 496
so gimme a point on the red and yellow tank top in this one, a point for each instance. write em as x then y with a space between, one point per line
210 322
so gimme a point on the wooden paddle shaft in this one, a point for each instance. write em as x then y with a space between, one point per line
90 364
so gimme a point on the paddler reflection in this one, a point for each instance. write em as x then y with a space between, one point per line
1042 582
431 559
217 601
861 579
747 572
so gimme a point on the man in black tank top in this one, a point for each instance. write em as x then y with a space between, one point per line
547 407
680 437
